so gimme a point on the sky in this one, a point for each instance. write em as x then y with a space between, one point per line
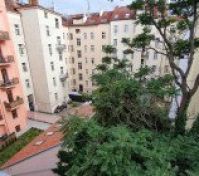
80 6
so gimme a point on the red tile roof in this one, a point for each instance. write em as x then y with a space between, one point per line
119 13
50 138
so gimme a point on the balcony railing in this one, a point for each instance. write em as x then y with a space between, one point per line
4 35
9 83
5 61
61 47
7 140
14 104
63 77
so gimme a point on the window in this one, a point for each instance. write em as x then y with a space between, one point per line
146 55
115 42
14 114
61 70
86 60
27 83
87 71
71 36
155 55
45 14
131 67
92 60
126 28
166 69
80 76
115 29
71 48
85 48
80 66
58 40
85 35
78 42
63 84
92 35
86 82
24 67
50 49
103 35
73 60
157 42
52 66
92 48
124 56
54 81
142 61
79 53
73 70
21 49
18 128
132 56
77 31
56 23
17 30
153 68
74 82
60 56
47 31
56 96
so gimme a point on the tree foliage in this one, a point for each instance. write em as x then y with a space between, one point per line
176 24
90 149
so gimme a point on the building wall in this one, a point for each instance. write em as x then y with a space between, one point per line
43 164
128 29
40 58
23 61
193 110
8 123
90 58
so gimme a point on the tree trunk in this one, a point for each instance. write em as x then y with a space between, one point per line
181 116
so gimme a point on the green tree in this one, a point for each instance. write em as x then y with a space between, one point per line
173 30
90 149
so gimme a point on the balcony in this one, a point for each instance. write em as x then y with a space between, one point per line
6 61
14 104
5 140
61 47
63 77
9 83
4 35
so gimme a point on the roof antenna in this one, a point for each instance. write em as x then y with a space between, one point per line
88 7
53 5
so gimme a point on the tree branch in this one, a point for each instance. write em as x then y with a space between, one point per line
191 39
151 48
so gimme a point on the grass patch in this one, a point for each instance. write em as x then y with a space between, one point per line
22 141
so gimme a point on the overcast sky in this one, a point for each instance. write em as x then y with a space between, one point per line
80 6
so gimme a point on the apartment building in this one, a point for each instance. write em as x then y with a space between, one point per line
17 35
13 111
44 37
123 25
86 35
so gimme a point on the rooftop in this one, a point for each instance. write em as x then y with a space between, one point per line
119 13
50 138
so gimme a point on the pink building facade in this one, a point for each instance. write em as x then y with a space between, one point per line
13 112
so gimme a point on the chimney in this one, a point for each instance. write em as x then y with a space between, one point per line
101 12
34 2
